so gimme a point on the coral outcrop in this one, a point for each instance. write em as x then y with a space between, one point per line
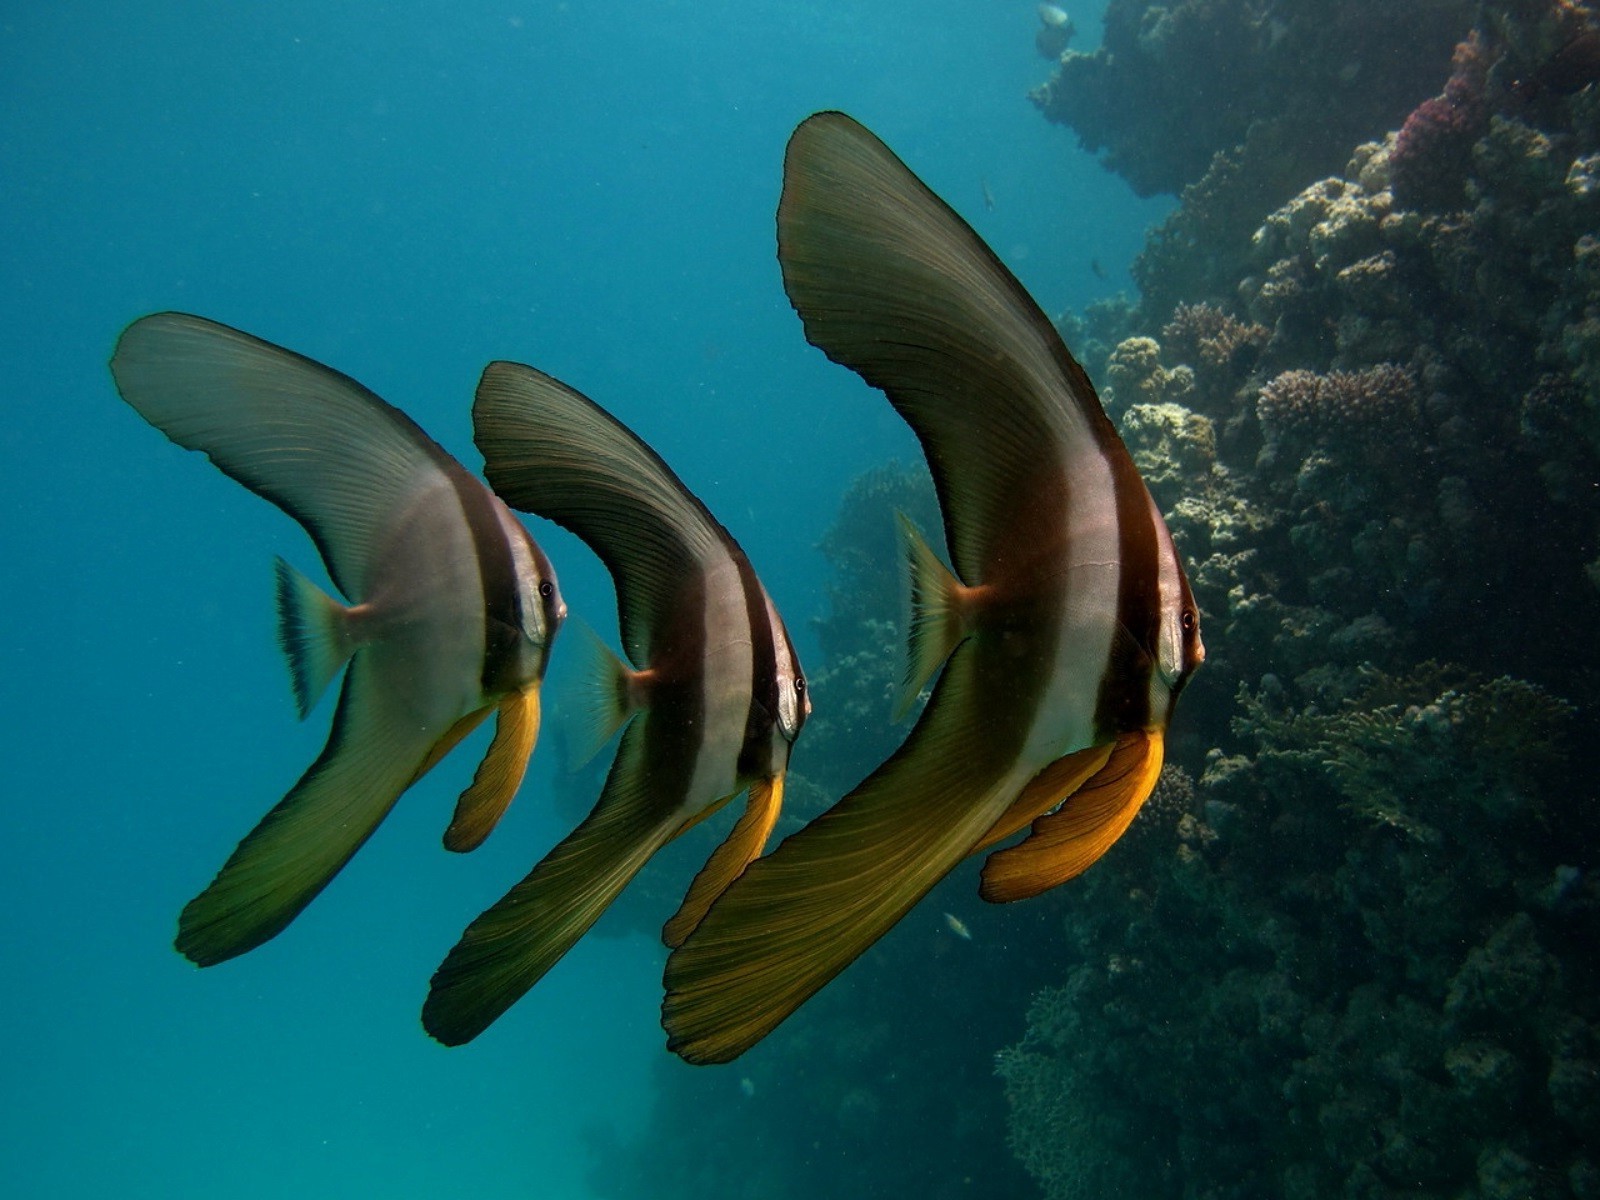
1348 948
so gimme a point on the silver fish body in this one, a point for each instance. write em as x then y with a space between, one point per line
452 608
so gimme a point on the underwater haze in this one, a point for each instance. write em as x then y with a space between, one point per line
1334 268
404 192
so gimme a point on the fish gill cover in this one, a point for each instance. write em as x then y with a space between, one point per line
1348 949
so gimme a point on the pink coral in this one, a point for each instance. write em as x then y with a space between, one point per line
1428 167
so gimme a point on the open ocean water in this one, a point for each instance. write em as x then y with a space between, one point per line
403 192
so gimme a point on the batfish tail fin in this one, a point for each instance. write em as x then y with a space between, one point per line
517 940
799 916
371 757
605 699
742 846
1066 843
935 622
313 631
499 775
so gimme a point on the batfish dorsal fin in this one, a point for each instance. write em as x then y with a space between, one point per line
890 282
332 455
550 450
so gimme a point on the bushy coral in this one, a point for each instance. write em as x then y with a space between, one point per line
1434 146
1350 973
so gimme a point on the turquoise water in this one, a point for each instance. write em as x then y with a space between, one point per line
403 192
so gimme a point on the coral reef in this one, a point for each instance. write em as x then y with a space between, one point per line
1341 972
1348 947
1174 84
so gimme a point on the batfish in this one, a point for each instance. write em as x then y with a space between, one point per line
1064 633
711 704
452 606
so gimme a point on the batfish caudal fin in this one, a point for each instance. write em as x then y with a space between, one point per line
550 450
1066 843
499 775
312 631
509 947
891 283
607 697
372 755
331 454
742 846
937 618
799 916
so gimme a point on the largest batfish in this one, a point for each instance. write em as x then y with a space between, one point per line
453 606
1065 633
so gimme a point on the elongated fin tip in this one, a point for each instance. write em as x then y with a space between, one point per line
605 701
934 621
311 633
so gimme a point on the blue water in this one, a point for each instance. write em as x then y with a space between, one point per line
403 192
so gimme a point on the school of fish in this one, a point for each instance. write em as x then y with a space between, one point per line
1057 639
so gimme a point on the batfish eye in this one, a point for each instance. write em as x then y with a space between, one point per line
799 685
545 588
1188 620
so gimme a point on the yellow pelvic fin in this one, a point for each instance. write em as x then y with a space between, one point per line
742 847
935 620
1046 790
500 773
509 947
1066 843
312 632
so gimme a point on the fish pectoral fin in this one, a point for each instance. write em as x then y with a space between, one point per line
500 773
1046 790
742 846
800 915
510 946
936 621
1066 843
312 632
606 697
371 758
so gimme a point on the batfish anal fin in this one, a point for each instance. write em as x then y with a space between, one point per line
803 913
1066 843
327 451
742 846
499 775
508 948
1046 790
936 620
312 629
371 757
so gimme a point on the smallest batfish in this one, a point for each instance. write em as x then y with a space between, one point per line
711 705
451 615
